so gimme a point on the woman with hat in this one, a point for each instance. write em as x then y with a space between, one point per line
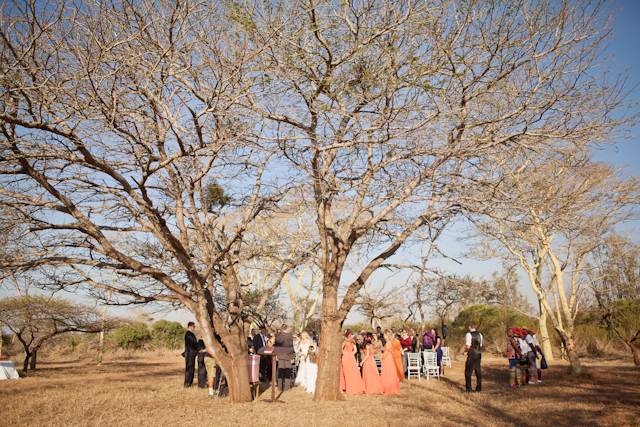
514 355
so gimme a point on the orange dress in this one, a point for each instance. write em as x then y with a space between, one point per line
389 375
372 382
397 357
350 379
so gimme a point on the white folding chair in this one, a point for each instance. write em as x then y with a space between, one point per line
413 365
431 368
378 363
446 357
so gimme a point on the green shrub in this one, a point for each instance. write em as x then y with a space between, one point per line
131 336
168 334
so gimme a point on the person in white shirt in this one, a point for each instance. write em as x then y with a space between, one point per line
537 351
473 344
531 356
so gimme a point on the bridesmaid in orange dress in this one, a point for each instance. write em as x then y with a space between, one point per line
372 382
350 379
389 375
397 357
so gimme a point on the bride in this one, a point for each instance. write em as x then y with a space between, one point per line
303 350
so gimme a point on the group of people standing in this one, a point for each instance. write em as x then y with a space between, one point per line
359 371
369 381
304 356
525 357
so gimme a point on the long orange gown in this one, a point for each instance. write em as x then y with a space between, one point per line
372 382
350 379
397 358
389 375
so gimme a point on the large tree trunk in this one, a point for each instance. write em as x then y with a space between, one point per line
572 353
330 355
329 360
544 334
237 374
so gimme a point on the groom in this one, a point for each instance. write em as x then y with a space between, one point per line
284 339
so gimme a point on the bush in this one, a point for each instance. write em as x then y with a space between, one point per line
168 334
131 336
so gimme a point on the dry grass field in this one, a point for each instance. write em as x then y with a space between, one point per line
149 392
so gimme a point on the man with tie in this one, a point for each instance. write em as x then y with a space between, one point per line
190 353
259 341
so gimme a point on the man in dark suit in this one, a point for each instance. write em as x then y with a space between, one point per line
190 353
284 339
259 341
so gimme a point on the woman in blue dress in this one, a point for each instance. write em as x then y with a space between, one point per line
437 347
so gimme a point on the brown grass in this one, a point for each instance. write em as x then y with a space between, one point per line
149 392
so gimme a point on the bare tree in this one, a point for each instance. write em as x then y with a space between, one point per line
613 271
35 319
117 134
553 213
117 118
391 106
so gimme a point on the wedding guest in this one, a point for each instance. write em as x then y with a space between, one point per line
473 345
380 335
427 339
190 353
202 370
212 373
437 347
513 355
524 350
532 355
414 341
397 355
284 339
302 352
271 342
359 348
370 376
312 370
259 341
377 346
350 379
539 354
405 341
389 375
313 336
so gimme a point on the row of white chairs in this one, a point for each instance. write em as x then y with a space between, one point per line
424 363
428 366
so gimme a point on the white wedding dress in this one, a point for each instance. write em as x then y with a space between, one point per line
307 371
301 376
311 377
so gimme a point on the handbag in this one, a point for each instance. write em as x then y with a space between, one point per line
543 363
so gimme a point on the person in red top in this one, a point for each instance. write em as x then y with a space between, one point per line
406 348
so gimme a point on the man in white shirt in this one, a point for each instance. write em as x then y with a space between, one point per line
473 343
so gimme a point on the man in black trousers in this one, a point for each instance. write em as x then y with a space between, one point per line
190 353
284 339
259 341
472 347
